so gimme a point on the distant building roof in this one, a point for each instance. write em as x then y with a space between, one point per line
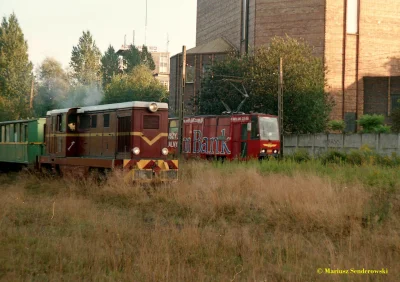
218 45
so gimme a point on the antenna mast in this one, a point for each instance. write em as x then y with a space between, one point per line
145 28
167 42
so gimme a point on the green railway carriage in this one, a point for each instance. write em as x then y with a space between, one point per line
21 142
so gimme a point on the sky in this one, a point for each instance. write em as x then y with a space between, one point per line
53 27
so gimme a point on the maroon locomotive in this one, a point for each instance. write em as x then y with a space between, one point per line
131 135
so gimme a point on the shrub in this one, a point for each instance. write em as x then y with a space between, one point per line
355 157
382 129
396 120
300 155
336 157
373 124
337 125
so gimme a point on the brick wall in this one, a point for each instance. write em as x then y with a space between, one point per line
218 18
199 62
321 23
377 55
298 19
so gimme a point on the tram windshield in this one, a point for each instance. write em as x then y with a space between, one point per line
269 129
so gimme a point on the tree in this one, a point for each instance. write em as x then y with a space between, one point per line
138 85
146 58
15 71
53 87
85 60
306 105
109 65
132 58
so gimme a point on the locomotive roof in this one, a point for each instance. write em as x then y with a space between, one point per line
20 121
115 106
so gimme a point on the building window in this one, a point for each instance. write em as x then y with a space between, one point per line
163 64
244 19
189 74
165 84
394 101
352 17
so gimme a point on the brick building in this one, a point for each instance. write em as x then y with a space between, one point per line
198 60
358 40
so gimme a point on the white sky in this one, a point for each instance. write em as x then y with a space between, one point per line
53 27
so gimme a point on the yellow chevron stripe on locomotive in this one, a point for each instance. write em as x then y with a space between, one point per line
150 170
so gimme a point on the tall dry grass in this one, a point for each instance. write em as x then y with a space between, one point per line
216 224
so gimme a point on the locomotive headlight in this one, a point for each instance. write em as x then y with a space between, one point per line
262 151
275 151
153 107
136 151
164 151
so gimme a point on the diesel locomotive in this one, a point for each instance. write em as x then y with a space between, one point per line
131 136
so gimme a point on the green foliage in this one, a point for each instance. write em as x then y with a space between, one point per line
109 66
373 124
139 85
335 157
300 156
146 58
306 105
132 58
85 60
337 125
395 120
52 87
15 71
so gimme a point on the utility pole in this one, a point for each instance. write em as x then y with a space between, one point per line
181 101
280 104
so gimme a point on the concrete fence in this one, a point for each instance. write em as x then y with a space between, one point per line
315 144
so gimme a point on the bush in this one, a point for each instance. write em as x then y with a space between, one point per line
336 157
300 156
337 125
356 157
373 124
396 120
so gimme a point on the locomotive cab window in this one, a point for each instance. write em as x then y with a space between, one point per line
84 122
151 122
59 124
72 122
94 121
106 120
